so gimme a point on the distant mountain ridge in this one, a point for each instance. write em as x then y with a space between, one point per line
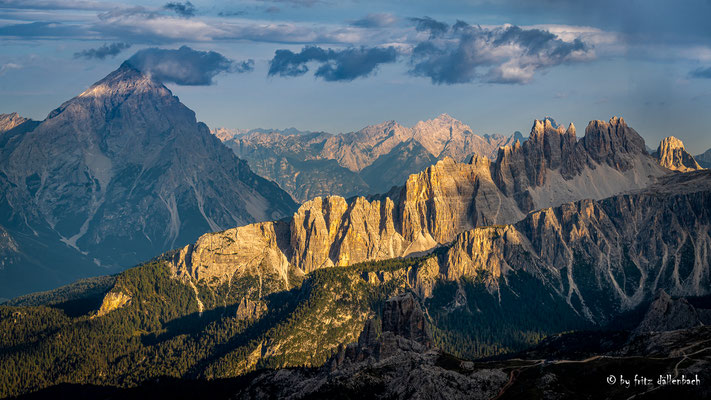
704 159
9 121
115 176
371 160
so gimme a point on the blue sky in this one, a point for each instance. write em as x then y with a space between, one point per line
340 65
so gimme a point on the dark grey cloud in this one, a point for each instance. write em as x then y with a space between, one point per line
427 24
186 9
238 13
106 50
375 20
336 65
186 66
510 54
701 73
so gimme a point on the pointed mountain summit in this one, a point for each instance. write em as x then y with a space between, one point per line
120 174
672 154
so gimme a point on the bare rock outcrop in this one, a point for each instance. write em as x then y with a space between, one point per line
672 154
112 301
667 314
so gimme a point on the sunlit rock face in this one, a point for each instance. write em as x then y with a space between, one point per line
434 206
671 154
120 174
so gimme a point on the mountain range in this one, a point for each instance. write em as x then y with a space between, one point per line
371 160
493 290
548 169
458 279
113 177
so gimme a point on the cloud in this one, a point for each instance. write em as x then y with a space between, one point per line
43 29
704 73
141 25
238 13
427 24
186 66
57 5
295 3
508 54
102 52
186 9
375 20
336 65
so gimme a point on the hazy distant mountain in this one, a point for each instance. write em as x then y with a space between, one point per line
9 121
225 134
704 159
113 177
371 160
672 154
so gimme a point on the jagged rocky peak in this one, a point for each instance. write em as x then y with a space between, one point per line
672 154
612 141
9 121
404 328
403 316
126 79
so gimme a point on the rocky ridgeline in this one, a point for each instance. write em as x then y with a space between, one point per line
433 206
672 154
599 256
608 255
371 160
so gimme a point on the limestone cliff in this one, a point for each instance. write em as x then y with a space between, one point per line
434 206
672 154
603 256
